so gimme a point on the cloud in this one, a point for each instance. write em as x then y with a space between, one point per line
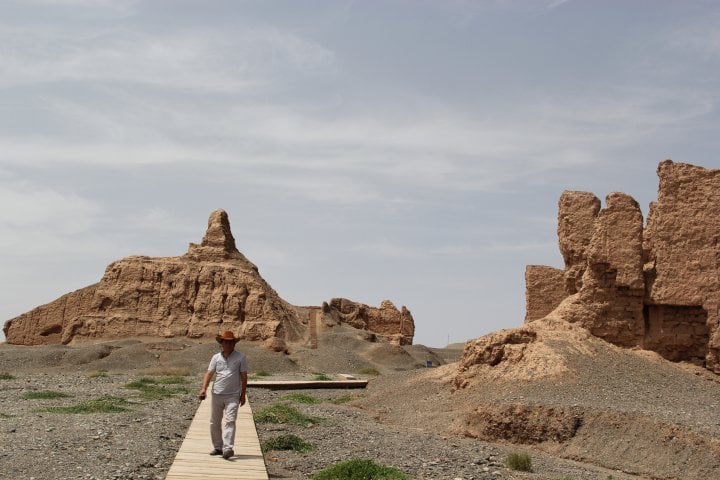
200 60
700 36
26 205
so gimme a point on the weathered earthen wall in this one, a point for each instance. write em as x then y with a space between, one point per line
544 290
389 323
657 287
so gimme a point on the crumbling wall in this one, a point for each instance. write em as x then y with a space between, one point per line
544 290
656 287
387 322
678 333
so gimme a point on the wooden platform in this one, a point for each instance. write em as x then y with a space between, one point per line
300 384
193 461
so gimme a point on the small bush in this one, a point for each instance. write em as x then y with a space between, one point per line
284 413
369 371
344 399
321 377
360 470
6 376
519 461
261 373
98 373
43 395
287 442
106 404
5 415
157 388
301 398
167 371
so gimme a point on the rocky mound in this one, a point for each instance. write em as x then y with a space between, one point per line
211 288
553 387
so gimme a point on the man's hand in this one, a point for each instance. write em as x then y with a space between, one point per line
202 394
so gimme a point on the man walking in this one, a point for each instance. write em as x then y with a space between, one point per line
228 393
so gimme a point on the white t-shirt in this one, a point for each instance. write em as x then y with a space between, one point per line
227 372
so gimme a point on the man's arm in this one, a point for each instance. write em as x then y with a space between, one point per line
205 382
243 387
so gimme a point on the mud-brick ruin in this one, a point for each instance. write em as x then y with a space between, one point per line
212 288
653 286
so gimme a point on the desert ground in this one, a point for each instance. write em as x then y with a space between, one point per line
579 407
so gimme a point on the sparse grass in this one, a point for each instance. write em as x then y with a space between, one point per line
519 461
565 478
260 374
322 377
344 399
43 395
106 404
359 469
301 398
6 376
369 371
287 442
158 388
98 373
5 415
284 413
167 372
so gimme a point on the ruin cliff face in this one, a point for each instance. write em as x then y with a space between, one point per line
654 287
212 288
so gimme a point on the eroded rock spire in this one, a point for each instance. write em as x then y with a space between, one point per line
218 244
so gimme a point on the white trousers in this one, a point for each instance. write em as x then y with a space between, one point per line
222 420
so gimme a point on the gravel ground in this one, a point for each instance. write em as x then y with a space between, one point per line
349 430
642 417
141 443
137 444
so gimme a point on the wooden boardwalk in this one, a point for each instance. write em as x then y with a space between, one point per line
192 461
306 384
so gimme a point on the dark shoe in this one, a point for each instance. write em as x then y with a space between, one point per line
228 453
216 452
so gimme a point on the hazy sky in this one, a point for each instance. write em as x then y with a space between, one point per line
405 150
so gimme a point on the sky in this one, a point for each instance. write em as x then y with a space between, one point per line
413 151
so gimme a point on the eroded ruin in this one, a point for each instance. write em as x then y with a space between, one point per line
656 286
211 288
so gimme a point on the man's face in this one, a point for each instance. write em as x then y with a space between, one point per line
228 346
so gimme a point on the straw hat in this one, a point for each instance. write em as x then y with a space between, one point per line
227 335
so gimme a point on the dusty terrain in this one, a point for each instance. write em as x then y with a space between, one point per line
581 410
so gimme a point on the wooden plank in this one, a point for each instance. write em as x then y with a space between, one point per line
193 461
299 384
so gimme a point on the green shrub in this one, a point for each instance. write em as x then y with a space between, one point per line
284 413
106 404
43 395
287 442
321 377
358 469
301 398
344 399
261 373
156 388
167 371
519 461
369 371
6 376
